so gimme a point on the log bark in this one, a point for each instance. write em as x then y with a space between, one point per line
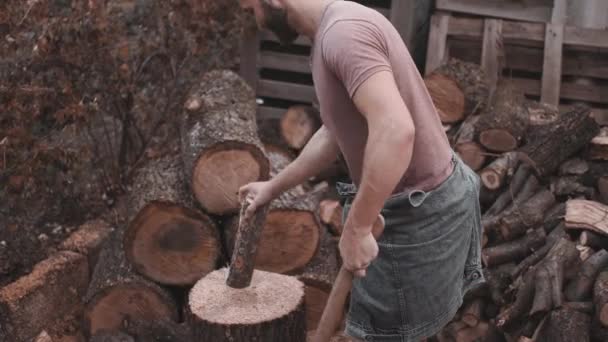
569 186
554 217
598 332
600 298
447 97
272 307
574 167
299 124
583 307
513 250
111 336
245 249
560 140
469 150
291 234
593 240
598 148
580 288
494 175
583 214
539 254
471 79
159 331
566 325
167 240
88 240
117 294
502 128
219 133
330 212
515 185
528 215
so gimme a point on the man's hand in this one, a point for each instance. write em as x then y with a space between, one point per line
257 194
357 250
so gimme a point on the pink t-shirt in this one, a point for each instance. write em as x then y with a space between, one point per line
352 43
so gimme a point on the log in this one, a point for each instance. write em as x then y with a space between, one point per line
33 302
554 217
585 252
560 140
117 294
575 166
160 330
220 146
272 307
471 153
602 187
590 215
527 215
318 277
502 127
517 182
111 336
471 79
88 240
167 240
498 280
330 212
581 287
569 186
494 175
598 332
471 315
565 325
299 124
598 148
593 240
513 250
472 334
583 307
600 298
447 97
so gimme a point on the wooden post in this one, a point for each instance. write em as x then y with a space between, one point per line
492 51
436 50
552 65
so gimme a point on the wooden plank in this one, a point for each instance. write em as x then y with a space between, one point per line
284 61
249 54
524 58
492 51
437 41
552 67
286 91
472 28
267 112
498 8
558 14
403 17
569 90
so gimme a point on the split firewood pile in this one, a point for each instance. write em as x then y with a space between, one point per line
544 203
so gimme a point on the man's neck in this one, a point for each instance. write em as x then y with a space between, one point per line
306 16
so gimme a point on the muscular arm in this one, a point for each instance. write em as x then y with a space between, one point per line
388 151
320 151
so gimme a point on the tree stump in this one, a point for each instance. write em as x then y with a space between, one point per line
271 309
117 293
219 141
502 128
299 124
166 240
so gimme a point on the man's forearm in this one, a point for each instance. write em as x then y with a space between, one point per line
387 156
320 151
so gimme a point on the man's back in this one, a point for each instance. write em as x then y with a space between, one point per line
352 43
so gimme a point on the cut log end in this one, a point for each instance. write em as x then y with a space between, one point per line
272 306
498 140
471 154
298 125
171 244
447 97
110 308
490 179
220 171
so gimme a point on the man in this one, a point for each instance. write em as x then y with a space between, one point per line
376 110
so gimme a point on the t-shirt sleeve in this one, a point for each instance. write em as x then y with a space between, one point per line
354 50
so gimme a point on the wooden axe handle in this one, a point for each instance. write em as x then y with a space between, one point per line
334 308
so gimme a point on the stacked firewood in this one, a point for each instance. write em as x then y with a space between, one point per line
184 215
544 211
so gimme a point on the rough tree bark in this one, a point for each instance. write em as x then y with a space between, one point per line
219 141
465 145
299 124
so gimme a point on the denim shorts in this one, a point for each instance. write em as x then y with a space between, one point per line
429 257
